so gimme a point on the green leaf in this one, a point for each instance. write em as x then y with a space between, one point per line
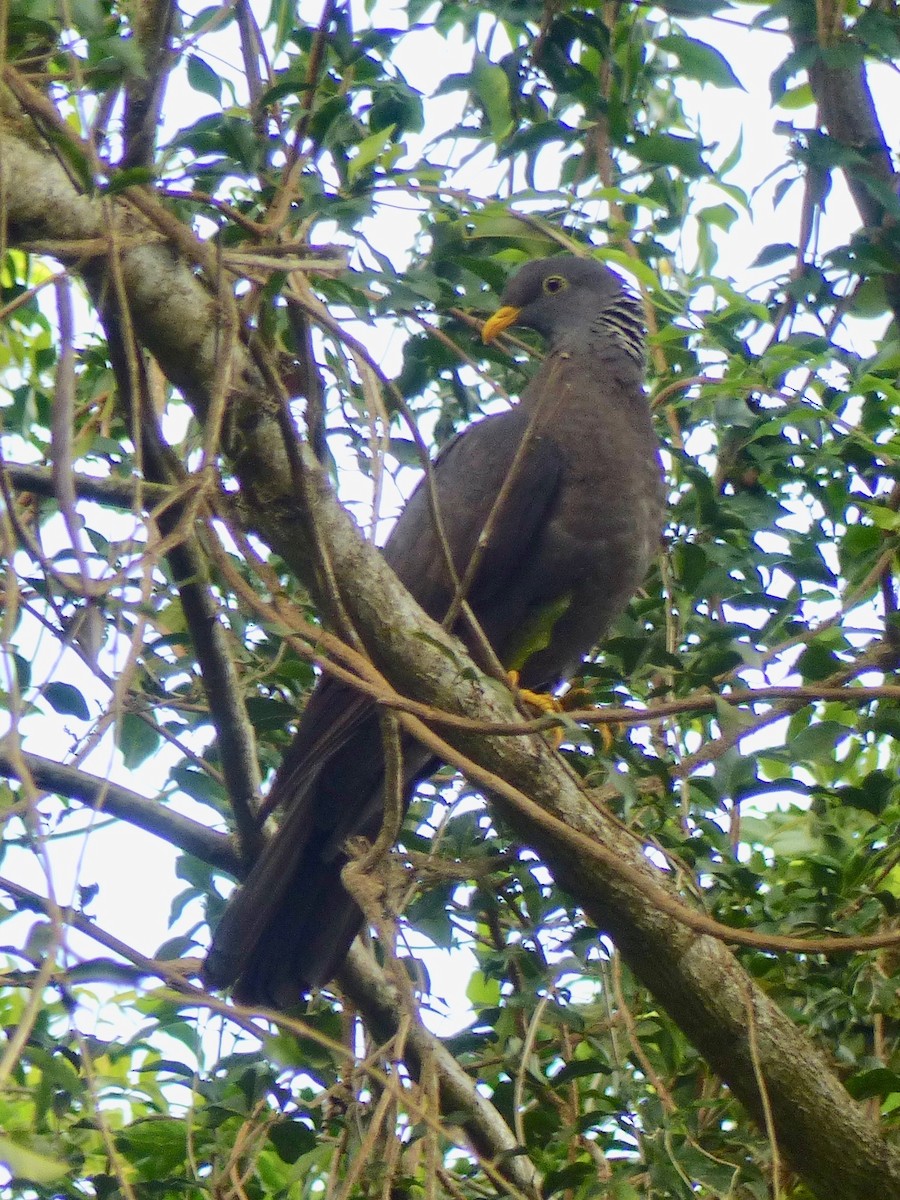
491 85
137 739
572 1176
101 970
582 1068
23 672
291 1139
877 1082
817 741
731 718
25 1163
66 700
797 97
883 517
368 150
775 252
667 149
195 25
700 61
695 8
203 78
723 216
482 991
132 177
156 1146
167 1066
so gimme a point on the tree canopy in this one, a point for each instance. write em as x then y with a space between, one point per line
247 251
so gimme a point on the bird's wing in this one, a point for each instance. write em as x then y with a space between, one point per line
333 713
467 477
329 784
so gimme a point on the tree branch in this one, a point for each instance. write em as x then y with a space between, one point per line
217 849
847 110
118 493
144 92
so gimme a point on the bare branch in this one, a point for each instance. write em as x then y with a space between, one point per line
847 110
144 92
118 493
217 849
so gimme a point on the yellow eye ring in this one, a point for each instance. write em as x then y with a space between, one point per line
554 283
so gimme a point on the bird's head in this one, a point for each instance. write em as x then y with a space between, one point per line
557 296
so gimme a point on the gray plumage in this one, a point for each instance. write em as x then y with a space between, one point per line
573 540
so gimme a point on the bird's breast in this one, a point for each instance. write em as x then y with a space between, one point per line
611 499
604 529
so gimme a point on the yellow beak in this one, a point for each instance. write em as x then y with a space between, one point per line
501 319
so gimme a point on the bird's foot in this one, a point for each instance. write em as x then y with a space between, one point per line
578 696
608 736
544 703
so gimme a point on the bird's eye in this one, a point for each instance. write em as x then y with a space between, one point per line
554 283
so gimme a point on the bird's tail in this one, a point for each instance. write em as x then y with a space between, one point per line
289 926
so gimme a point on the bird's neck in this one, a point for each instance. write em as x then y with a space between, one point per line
614 331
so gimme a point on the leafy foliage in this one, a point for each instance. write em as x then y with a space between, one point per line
310 150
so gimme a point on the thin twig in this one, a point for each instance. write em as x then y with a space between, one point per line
525 1053
765 1103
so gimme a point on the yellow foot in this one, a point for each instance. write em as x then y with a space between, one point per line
543 702
578 696
608 736
546 703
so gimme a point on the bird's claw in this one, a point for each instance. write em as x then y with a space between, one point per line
544 702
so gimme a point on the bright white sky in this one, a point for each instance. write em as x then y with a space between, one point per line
136 870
